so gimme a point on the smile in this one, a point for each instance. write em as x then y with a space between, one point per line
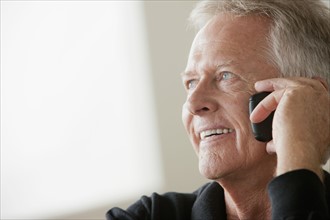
208 133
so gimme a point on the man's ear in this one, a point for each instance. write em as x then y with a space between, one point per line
323 81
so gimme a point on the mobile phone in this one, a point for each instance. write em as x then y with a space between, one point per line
263 130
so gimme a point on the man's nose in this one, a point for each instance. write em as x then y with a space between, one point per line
201 101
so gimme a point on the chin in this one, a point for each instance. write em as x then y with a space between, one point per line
212 167
213 174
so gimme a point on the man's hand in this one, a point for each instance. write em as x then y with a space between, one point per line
301 124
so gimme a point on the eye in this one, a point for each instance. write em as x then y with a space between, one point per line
227 75
191 84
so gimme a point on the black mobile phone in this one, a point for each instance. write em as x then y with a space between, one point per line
263 130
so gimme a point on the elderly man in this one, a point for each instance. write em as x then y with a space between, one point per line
245 47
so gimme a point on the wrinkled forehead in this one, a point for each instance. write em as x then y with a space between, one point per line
235 35
230 28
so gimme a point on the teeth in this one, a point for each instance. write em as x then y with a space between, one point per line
207 133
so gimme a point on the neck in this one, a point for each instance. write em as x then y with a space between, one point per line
246 195
248 207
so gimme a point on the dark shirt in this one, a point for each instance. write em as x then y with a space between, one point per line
295 195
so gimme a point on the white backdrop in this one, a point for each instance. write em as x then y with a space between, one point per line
77 107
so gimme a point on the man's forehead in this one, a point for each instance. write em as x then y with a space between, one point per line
226 41
234 28
229 36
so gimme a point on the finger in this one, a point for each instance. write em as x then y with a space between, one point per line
266 106
265 85
322 81
283 83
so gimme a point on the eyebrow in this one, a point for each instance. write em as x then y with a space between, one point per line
186 73
190 73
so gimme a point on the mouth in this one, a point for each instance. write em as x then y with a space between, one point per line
209 133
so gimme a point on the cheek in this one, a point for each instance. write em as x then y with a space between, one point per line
237 111
237 108
187 120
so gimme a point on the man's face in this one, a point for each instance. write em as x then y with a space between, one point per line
227 57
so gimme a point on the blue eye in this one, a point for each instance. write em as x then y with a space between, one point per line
191 84
227 75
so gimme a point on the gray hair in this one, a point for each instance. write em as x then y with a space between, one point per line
299 37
